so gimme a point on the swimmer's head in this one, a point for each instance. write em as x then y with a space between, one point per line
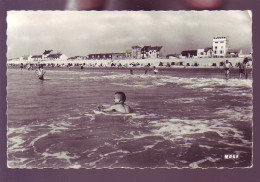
226 61
119 97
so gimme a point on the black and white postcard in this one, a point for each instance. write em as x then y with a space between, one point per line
129 89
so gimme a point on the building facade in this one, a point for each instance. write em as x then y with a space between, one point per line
106 56
220 46
100 56
128 54
204 53
189 54
119 56
57 57
136 52
37 58
150 52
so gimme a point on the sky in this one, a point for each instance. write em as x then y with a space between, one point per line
79 33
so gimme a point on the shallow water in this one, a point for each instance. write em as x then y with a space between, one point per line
182 118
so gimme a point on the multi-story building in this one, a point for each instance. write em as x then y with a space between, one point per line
220 46
136 52
151 52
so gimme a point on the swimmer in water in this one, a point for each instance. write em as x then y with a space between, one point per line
119 105
40 73
21 66
155 70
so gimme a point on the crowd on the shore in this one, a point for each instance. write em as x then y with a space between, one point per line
162 63
227 65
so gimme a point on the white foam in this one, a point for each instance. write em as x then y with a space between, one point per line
60 155
196 164
173 129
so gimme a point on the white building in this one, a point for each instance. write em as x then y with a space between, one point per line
26 58
220 46
56 57
204 53
201 53
234 52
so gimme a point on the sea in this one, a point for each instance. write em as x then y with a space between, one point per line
182 118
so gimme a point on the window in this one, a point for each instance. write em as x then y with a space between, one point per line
216 42
222 42
216 47
221 52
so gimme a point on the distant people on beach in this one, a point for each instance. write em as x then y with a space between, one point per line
145 72
131 71
21 66
119 105
240 69
243 68
40 72
81 67
28 66
69 65
155 70
227 66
